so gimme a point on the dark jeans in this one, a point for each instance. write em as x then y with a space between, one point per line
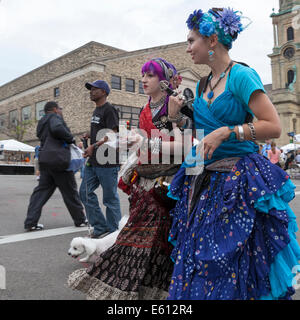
49 181
278 164
108 179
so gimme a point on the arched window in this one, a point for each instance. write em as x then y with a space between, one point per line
290 34
290 76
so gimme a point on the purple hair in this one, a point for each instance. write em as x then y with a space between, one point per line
161 68
155 68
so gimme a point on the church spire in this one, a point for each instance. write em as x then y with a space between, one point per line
285 5
285 62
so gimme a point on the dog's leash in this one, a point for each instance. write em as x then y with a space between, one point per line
87 201
85 145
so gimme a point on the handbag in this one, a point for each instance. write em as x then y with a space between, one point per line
77 159
160 193
54 154
160 189
150 171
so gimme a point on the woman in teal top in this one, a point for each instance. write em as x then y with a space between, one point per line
233 231
230 108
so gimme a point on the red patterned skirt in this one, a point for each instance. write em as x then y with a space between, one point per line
138 265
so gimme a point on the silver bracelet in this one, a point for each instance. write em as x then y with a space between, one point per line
188 123
252 131
177 119
241 133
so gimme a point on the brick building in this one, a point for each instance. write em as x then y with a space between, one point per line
63 80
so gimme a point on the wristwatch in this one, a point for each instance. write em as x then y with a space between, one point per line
232 135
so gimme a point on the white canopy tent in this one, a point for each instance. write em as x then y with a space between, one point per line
297 137
14 145
289 147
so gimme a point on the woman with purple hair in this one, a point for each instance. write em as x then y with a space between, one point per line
232 228
138 265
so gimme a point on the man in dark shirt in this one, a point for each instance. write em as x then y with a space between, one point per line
101 169
53 124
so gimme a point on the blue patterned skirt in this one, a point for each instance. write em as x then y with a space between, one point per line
239 240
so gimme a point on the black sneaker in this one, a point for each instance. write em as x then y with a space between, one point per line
99 236
38 227
82 224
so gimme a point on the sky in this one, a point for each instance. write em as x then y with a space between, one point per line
34 32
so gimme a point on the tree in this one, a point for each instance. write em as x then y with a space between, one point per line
15 129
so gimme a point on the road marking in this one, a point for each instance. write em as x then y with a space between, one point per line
39 234
48 233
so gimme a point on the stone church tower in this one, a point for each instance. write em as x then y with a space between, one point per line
285 61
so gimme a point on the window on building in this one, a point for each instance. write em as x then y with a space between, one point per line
2 120
290 34
39 109
141 88
290 76
294 125
13 117
130 85
136 110
116 82
126 109
118 108
56 92
126 115
26 113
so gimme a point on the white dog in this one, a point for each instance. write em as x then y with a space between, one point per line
90 246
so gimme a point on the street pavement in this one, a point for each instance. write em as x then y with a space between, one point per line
37 269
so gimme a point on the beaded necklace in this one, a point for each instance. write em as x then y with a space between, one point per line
155 107
223 74
159 103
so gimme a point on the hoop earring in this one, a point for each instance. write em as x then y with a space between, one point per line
211 55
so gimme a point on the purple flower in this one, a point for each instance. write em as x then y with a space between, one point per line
194 19
207 28
229 21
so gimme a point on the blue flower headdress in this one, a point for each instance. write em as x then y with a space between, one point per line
226 23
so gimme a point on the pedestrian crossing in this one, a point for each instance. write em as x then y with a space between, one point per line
50 233
40 234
